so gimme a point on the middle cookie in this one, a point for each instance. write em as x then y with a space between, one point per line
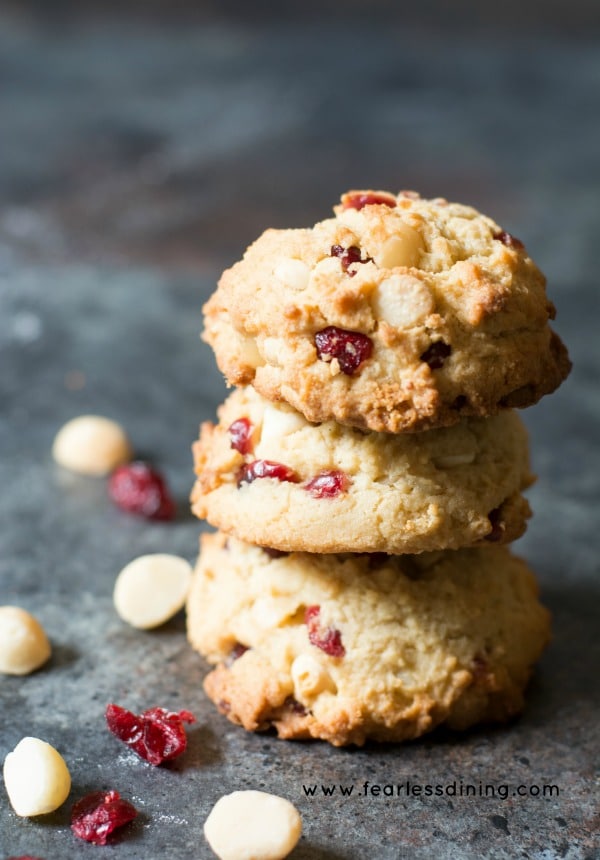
271 478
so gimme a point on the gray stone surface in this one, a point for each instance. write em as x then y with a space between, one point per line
139 155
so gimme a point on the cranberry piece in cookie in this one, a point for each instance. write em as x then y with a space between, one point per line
328 639
359 199
240 433
508 240
348 256
266 469
236 652
328 484
295 706
350 348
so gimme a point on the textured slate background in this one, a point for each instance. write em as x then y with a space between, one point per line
140 151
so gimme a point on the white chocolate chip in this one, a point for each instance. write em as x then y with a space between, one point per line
272 348
293 273
402 301
355 220
310 678
151 589
24 645
268 612
448 461
91 445
252 825
247 350
36 777
279 421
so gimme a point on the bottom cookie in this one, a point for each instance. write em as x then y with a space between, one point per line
351 647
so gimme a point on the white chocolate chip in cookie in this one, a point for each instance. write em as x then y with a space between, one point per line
269 612
293 273
24 645
151 589
310 678
247 350
404 248
402 301
272 349
36 777
280 421
252 825
354 219
91 445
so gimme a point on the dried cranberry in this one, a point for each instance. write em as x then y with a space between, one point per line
266 469
295 706
328 640
327 485
362 198
240 432
274 553
236 652
436 354
508 240
96 815
348 256
350 348
497 524
156 735
140 489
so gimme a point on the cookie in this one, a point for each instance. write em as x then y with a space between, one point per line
268 476
346 648
399 314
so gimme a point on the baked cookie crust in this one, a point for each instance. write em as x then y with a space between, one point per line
442 313
347 648
344 489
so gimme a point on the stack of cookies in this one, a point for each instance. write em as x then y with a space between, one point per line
368 471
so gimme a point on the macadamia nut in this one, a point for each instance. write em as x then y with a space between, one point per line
24 645
252 825
36 777
403 301
279 421
402 249
91 445
151 589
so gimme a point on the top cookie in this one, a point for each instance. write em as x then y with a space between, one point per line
400 314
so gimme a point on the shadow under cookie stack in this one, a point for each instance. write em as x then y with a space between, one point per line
367 474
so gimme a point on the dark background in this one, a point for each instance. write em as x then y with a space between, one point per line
142 147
